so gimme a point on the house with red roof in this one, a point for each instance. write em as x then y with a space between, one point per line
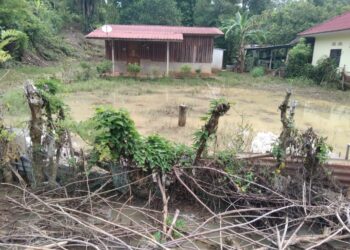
160 49
332 39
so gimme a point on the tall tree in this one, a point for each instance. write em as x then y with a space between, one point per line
284 23
210 12
162 12
243 30
256 7
186 8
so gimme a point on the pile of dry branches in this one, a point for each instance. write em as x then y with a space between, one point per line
74 216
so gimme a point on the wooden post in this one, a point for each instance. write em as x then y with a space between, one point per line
182 115
347 152
113 66
167 59
271 55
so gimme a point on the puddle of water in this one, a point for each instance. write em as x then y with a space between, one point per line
156 112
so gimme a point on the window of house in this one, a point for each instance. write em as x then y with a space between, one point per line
336 55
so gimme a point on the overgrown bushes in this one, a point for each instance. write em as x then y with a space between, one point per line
117 139
134 69
298 65
299 58
104 67
257 72
326 71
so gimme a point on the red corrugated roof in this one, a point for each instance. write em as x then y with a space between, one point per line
153 32
337 23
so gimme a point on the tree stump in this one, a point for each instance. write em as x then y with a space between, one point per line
35 103
182 115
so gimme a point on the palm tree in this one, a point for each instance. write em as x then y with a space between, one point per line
243 29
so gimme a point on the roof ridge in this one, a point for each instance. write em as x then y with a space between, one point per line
169 26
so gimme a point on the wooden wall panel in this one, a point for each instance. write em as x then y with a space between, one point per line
193 49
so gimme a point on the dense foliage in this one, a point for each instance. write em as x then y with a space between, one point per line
116 140
299 57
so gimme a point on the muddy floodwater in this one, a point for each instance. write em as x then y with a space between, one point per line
155 109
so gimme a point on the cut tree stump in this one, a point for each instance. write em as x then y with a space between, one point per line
182 115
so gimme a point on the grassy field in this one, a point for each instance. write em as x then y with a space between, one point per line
153 104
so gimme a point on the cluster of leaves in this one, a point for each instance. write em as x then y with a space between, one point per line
118 139
40 21
134 69
86 72
284 21
13 43
299 58
202 133
326 71
104 67
49 88
299 65
257 72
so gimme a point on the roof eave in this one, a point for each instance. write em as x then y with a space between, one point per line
132 39
318 33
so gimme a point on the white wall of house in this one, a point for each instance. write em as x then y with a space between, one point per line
324 43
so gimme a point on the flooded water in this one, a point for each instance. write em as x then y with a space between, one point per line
155 109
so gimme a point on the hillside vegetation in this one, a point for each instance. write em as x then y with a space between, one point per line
33 28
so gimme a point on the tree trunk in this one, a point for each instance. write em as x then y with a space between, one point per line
35 103
210 128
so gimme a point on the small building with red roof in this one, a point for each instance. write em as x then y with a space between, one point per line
332 39
158 49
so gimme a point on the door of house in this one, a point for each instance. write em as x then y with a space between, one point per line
133 53
336 55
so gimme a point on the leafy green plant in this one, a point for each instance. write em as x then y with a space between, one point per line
48 89
180 225
257 72
17 42
185 70
298 57
116 137
104 67
86 72
203 133
157 153
326 71
134 69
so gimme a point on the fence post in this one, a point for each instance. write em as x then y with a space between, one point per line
347 152
182 115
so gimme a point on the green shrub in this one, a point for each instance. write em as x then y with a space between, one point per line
86 72
18 42
326 70
134 69
186 70
104 67
257 72
298 58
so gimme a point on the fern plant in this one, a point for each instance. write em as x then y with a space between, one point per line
19 41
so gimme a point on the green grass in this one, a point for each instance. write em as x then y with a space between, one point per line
13 103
